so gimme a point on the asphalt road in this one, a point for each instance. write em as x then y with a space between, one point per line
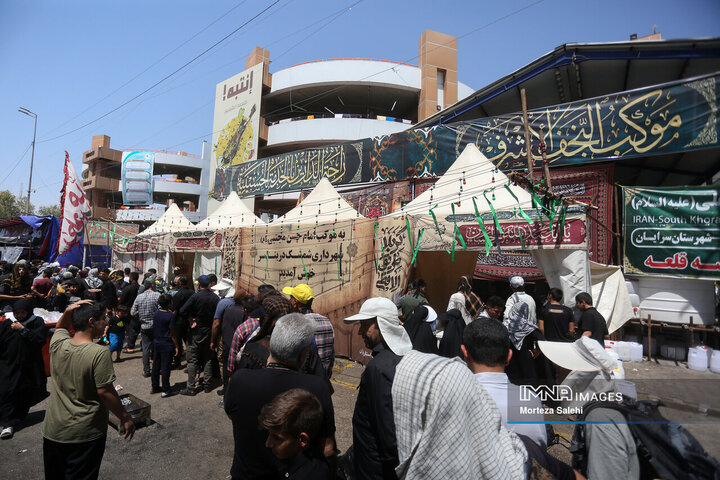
191 437
188 438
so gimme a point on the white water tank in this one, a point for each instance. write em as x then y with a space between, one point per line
636 352
675 300
697 359
715 361
623 350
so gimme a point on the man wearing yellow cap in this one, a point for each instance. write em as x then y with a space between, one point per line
301 297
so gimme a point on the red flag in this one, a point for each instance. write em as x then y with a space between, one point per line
75 209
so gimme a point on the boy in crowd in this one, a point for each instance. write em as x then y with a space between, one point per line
76 418
293 421
115 331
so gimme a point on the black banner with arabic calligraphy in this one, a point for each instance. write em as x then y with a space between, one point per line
667 118
671 232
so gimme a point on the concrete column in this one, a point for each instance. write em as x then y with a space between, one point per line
438 51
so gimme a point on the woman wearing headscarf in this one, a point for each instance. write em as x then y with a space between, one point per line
22 369
465 300
452 334
15 285
414 297
524 335
93 284
420 331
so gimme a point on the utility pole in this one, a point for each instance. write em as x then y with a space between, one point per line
27 112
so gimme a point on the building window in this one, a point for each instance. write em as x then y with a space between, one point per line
440 89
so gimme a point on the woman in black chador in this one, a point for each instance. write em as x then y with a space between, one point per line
22 370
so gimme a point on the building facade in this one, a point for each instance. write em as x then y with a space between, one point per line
329 101
177 177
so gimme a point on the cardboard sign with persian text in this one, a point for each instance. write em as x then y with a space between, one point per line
392 255
672 232
327 257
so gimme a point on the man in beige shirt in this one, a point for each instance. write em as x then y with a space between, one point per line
76 419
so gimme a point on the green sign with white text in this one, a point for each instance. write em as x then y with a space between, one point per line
672 231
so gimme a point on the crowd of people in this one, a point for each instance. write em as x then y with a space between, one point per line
432 377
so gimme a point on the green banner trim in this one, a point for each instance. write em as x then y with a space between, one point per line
492 209
488 242
520 210
417 246
302 261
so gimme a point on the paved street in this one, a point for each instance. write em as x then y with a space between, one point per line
190 437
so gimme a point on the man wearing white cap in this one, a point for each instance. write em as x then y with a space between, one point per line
517 283
374 442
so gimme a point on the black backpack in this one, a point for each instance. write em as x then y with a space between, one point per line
665 450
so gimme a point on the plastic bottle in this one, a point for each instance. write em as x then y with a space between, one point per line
618 372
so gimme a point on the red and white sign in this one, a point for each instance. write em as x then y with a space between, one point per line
75 209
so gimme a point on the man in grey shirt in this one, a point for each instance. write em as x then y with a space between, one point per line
610 446
612 452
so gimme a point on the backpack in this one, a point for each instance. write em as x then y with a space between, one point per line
665 450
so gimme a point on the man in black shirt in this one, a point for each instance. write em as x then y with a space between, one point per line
250 389
180 297
108 292
592 323
555 320
200 309
374 442
127 298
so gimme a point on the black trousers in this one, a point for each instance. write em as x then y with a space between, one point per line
225 375
161 365
133 332
76 461
181 330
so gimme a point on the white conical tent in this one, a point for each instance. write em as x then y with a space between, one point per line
472 175
171 221
231 213
323 205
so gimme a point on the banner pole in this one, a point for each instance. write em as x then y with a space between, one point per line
527 136
546 168
107 244
618 238
85 245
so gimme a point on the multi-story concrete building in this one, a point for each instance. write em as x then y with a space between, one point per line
306 105
178 177
334 100
329 101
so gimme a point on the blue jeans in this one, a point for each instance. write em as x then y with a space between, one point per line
146 341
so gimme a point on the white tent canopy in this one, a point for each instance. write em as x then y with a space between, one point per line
471 175
323 205
171 221
231 213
